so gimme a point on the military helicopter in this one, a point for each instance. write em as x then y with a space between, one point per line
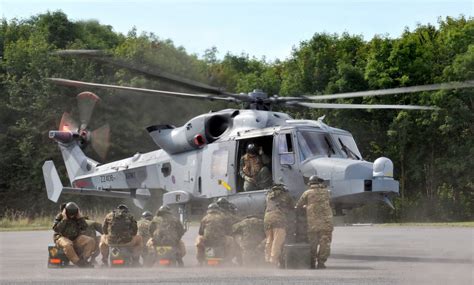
200 161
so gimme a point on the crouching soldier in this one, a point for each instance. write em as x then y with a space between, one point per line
250 237
214 232
120 228
92 228
167 230
68 228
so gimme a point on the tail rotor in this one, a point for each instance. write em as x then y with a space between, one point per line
70 130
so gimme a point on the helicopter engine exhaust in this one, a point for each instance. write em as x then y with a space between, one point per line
195 134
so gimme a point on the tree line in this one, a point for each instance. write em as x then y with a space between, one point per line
433 151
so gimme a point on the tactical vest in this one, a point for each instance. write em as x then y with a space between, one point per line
120 227
165 233
252 165
215 229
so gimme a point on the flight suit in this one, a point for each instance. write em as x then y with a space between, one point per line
254 171
214 231
126 236
68 235
250 237
92 228
279 207
319 218
166 230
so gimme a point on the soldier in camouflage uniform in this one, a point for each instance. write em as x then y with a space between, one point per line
214 231
231 216
167 230
144 231
254 169
92 228
277 213
68 229
250 237
120 228
319 216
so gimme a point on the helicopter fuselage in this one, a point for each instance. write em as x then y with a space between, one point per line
198 164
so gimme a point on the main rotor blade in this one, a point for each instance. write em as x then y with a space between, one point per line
101 56
393 91
360 106
74 83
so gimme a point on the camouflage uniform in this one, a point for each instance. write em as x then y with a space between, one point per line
319 219
249 235
127 235
68 235
92 228
279 209
254 171
144 229
167 230
214 231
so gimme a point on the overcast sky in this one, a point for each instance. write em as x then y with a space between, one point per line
259 28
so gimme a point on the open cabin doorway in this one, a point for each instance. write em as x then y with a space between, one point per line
265 144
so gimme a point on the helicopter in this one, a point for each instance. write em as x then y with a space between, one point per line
199 161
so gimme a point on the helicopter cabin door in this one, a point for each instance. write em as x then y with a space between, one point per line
286 168
218 169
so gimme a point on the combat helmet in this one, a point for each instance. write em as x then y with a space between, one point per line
71 209
147 215
224 204
279 187
252 149
315 179
163 210
213 207
122 207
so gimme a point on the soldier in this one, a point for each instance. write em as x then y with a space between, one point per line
214 231
278 210
167 230
253 169
68 227
144 231
231 217
92 228
319 216
250 237
120 228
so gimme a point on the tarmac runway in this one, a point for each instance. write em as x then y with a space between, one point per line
360 255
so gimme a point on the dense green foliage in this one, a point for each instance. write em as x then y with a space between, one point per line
433 151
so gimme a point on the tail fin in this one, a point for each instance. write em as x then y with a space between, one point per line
77 163
54 187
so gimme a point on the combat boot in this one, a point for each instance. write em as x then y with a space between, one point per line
321 265
84 263
180 262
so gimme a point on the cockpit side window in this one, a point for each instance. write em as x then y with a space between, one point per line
285 149
314 144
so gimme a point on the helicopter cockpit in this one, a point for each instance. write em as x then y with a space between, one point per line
291 147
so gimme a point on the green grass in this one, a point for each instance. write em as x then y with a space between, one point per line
442 224
13 220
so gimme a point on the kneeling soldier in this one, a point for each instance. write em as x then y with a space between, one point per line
68 228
